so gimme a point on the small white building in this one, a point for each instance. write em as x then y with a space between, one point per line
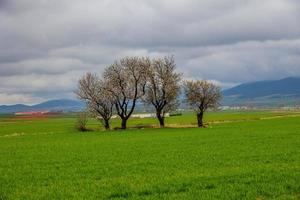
142 115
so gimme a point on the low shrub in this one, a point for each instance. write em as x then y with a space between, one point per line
82 119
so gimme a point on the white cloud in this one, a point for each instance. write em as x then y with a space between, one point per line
246 61
46 45
11 99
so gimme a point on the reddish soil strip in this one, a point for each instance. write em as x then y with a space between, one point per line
36 116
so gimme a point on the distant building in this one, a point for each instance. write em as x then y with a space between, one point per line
147 115
142 115
39 112
236 108
33 112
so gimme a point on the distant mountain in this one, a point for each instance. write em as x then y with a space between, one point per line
273 92
60 104
284 87
284 92
55 105
14 108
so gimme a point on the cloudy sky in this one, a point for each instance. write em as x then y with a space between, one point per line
46 45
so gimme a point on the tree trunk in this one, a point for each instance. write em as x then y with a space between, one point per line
160 118
200 119
106 124
124 122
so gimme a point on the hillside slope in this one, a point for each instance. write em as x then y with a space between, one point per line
274 92
59 104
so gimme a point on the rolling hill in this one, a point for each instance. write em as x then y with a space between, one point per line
272 93
59 104
283 92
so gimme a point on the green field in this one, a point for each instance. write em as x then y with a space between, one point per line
241 155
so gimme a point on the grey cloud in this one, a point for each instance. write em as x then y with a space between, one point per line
247 61
152 23
50 65
46 45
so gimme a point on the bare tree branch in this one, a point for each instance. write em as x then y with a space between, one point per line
202 95
163 86
126 80
99 101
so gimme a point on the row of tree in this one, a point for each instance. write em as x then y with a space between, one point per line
153 81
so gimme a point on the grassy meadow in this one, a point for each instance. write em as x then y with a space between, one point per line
240 155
